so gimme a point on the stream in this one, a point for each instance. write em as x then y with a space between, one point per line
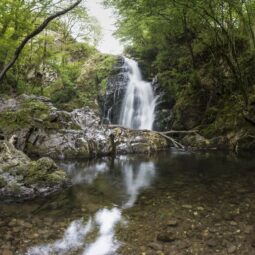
171 202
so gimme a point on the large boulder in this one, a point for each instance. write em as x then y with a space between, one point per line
22 179
129 141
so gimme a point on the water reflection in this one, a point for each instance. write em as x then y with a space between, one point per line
131 177
136 178
84 173
106 242
73 238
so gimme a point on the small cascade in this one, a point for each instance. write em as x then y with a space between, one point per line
139 102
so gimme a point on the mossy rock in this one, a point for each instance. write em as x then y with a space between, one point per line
245 143
21 178
196 141
3 182
43 171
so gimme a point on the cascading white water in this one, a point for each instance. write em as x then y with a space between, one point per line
139 103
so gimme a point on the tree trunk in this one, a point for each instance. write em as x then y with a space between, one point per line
38 30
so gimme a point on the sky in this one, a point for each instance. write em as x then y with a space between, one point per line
108 44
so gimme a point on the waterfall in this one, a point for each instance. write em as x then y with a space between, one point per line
139 102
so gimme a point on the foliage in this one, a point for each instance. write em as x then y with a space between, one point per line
211 40
53 62
202 53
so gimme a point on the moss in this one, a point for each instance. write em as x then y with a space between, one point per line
56 178
225 118
43 171
29 111
14 187
32 113
246 143
188 110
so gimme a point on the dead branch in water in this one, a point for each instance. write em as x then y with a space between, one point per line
176 144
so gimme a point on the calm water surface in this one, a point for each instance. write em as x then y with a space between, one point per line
171 202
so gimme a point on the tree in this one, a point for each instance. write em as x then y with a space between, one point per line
31 35
182 37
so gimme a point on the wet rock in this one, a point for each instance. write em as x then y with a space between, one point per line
167 237
115 92
212 243
27 225
231 249
248 229
183 245
7 252
233 223
172 223
196 141
156 246
128 141
187 206
228 216
253 240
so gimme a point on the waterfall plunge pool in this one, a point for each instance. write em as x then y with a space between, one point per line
172 202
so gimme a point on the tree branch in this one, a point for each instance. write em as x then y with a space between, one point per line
38 30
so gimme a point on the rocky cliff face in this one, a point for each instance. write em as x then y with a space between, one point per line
164 109
115 92
43 130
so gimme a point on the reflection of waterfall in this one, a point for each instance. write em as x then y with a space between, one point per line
105 243
136 181
73 239
139 102
77 232
135 177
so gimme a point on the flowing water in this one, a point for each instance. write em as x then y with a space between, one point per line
171 203
139 103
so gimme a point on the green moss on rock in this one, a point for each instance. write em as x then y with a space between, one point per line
43 171
21 178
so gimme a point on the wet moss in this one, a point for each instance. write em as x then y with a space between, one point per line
43 171
30 112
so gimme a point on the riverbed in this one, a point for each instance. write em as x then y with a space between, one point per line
168 203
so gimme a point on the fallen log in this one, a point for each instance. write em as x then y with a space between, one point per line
179 132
